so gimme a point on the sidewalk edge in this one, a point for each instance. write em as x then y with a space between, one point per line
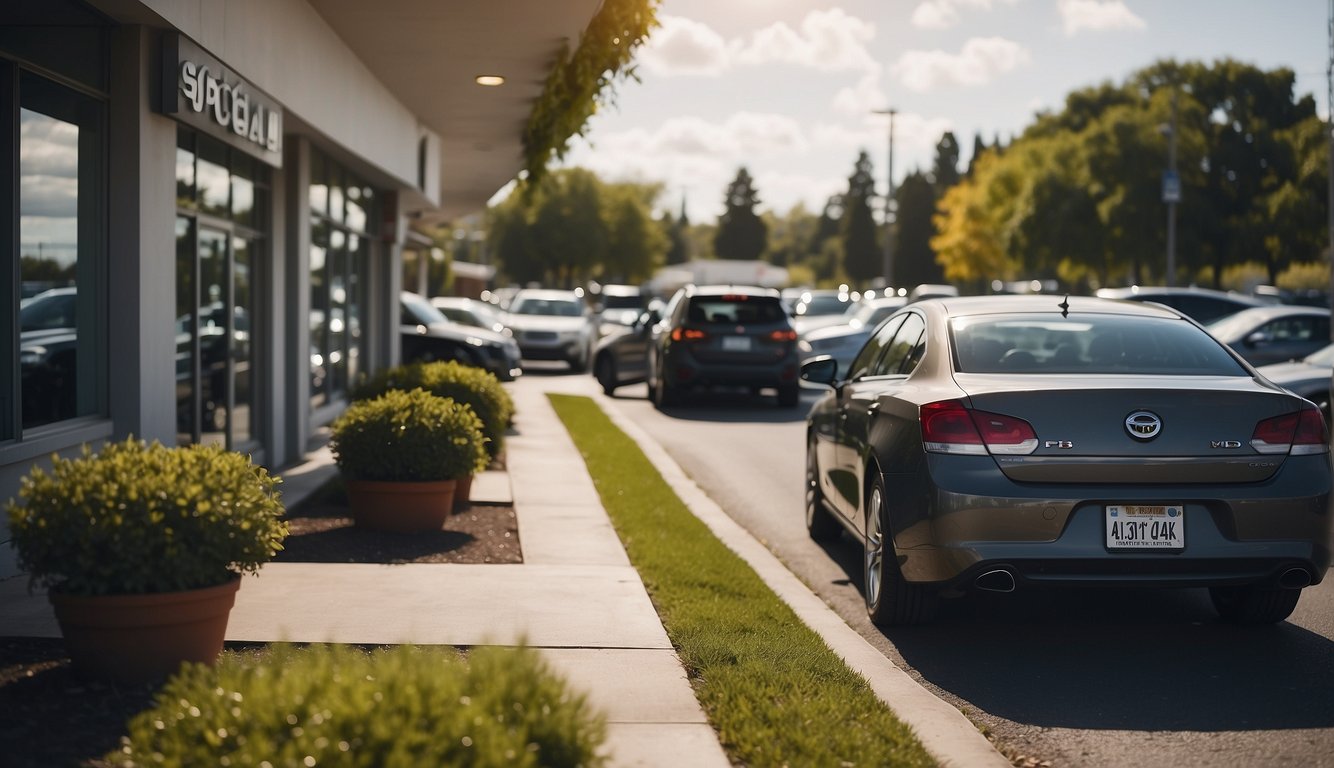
946 734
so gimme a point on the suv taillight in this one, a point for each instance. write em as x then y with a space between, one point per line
783 335
1297 433
688 334
951 427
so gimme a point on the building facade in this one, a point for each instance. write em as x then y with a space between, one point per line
210 202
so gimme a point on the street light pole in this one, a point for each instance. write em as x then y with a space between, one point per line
1173 197
888 266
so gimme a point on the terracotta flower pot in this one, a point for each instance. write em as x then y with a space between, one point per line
141 638
463 493
402 507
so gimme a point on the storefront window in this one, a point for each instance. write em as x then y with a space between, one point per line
61 207
340 252
216 245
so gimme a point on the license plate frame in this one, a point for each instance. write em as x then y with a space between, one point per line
1144 527
736 344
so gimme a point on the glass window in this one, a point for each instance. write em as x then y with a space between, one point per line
1087 343
342 217
185 169
216 364
62 339
861 366
900 350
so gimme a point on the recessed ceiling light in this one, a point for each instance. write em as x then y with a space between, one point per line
490 80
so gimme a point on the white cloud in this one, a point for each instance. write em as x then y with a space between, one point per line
980 61
684 47
828 41
825 41
943 14
865 95
1096 15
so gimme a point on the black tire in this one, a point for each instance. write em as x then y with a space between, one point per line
665 395
820 523
890 600
1254 604
579 364
604 370
789 395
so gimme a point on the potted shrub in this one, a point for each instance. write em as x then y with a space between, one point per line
141 549
401 454
478 388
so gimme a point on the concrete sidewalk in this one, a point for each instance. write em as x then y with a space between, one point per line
575 598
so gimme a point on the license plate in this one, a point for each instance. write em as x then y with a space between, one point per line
736 343
1146 527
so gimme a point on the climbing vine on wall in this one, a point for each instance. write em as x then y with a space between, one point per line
584 78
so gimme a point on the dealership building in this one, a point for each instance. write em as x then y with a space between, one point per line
210 202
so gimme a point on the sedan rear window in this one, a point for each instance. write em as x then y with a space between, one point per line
1088 343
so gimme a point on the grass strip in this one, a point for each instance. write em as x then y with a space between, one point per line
775 693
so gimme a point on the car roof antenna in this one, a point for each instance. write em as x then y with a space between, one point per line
1065 306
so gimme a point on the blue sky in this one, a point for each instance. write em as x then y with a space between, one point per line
788 88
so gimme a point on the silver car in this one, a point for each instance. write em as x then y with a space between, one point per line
1008 442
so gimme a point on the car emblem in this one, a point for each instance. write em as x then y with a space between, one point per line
1143 425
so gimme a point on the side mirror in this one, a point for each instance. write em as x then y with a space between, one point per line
1257 339
819 372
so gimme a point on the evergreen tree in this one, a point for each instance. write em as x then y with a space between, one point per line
914 258
945 172
741 234
979 146
678 246
861 254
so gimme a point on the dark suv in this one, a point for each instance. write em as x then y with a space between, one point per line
724 336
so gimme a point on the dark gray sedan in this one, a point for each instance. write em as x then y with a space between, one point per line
1005 442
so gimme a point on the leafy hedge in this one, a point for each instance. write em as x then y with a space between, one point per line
410 436
478 388
136 518
391 708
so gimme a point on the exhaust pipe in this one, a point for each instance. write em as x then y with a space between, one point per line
998 580
1295 578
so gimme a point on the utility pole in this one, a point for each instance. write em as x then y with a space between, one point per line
888 266
1329 134
1172 193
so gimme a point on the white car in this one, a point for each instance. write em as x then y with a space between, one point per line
552 325
842 342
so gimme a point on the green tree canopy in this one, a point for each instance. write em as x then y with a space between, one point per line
861 254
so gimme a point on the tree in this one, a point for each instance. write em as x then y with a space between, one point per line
741 233
945 171
635 244
914 259
861 254
678 246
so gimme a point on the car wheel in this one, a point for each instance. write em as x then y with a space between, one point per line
665 395
820 524
579 364
788 396
890 600
1254 604
605 372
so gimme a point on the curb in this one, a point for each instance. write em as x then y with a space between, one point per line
945 733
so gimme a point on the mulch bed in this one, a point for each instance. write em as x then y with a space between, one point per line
51 717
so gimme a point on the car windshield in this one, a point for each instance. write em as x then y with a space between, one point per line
823 304
1322 357
1231 325
624 301
738 309
546 307
418 311
1088 343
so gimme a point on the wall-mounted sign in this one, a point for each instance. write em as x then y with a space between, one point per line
198 90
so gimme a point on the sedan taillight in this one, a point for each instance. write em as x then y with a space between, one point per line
1297 433
950 427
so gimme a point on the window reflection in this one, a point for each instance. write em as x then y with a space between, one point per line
49 252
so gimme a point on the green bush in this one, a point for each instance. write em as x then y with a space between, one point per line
466 384
138 518
390 708
408 436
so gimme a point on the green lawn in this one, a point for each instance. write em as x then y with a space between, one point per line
770 686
